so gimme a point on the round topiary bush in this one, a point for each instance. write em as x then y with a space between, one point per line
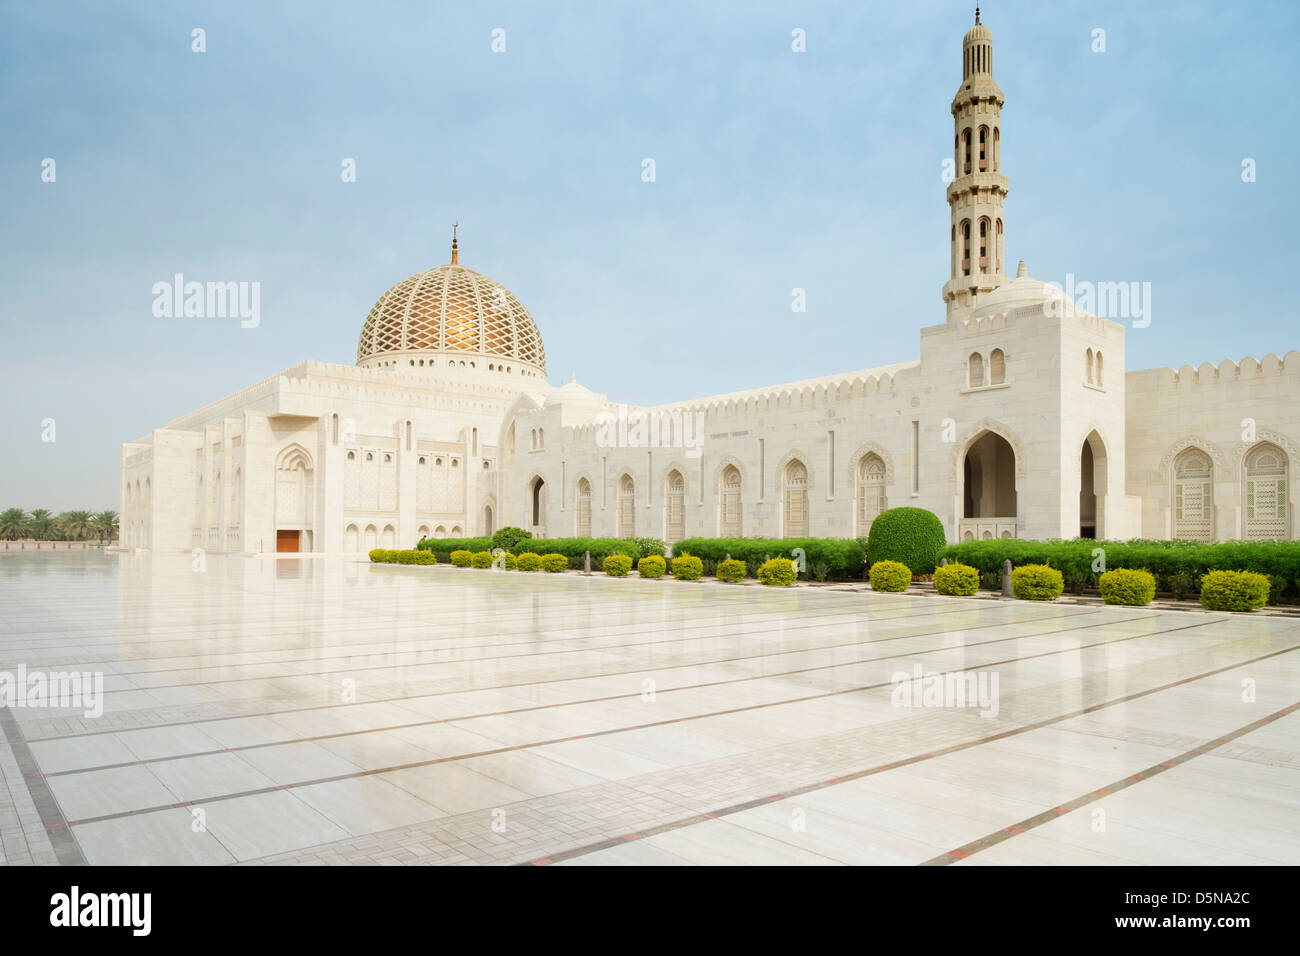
377 555
911 536
461 559
554 563
1036 582
481 559
424 557
1234 591
505 561
617 565
732 571
890 575
509 537
1127 586
528 561
777 573
959 579
687 568
402 557
651 567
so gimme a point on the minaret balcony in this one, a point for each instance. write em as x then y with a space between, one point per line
977 182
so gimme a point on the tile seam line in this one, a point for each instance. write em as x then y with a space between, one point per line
580 677
591 700
1105 790
508 748
903 762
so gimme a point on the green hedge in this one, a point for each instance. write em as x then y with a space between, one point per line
956 579
890 576
911 536
1036 582
1177 566
1127 586
777 573
733 571
443 547
384 556
651 566
842 557
1234 591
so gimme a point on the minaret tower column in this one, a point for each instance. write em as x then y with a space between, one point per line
977 195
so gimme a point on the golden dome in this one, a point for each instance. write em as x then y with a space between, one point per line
454 310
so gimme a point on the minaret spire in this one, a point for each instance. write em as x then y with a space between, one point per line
978 190
454 256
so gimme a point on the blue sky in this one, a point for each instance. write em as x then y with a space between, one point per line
775 170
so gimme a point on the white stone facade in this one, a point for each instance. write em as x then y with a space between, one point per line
1019 420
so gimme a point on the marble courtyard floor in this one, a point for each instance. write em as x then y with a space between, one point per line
329 711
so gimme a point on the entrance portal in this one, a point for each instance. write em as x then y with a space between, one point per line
286 541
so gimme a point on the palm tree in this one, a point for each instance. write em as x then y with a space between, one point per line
41 525
13 523
106 525
76 525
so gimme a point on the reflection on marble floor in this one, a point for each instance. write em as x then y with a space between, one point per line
325 710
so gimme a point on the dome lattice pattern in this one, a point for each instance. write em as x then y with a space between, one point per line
451 309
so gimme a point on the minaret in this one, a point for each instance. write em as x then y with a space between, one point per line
977 195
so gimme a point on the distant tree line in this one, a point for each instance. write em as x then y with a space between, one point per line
42 525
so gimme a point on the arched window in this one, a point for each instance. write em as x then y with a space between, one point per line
795 504
539 502
351 539
984 146
583 523
965 142
976 366
965 247
1194 496
626 507
1099 377
1266 504
984 245
997 247
729 523
675 503
871 491
1087 365
997 367
997 149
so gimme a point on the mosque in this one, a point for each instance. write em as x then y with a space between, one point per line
1020 419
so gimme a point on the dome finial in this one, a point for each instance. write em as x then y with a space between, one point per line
454 257
977 14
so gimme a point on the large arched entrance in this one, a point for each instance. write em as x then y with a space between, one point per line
989 505
487 521
294 499
1092 487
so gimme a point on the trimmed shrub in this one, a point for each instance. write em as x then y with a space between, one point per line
423 557
528 561
958 579
617 565
481 559
509 537
910 536
733 571
649 547
1234 591
378 554
461 559
1036 582
652 566
777 573
401 557
890 576
687 568
554 563
843 557
1177 565
443 547
508 561
1127 586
